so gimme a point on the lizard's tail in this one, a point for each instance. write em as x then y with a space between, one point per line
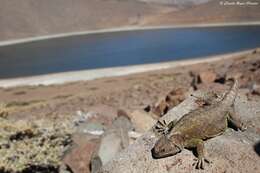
231 95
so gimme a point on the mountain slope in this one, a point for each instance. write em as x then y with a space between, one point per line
32 18
29 18
211 12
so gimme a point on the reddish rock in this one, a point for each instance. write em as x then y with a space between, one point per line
172 99
160 107
78 159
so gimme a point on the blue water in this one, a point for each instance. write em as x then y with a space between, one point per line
123 48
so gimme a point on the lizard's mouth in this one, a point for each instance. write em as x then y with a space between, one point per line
162 154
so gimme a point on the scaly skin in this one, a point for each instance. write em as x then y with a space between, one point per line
208 98
199 125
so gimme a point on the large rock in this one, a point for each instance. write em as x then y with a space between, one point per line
231 152
142 120
110 145
207 76
112 142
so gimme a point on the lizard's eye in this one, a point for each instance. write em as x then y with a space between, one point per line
163 150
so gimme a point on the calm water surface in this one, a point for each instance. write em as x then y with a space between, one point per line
123 48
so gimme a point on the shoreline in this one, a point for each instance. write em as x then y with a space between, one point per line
122 29
85 75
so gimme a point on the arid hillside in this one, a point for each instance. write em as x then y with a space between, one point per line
212 12
30 18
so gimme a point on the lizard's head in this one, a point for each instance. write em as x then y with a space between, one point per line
166 146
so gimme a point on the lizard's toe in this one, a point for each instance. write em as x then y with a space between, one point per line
161 127
207 160
200 163
243 127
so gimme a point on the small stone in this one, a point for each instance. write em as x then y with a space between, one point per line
256 89
95 164
134 134
257 50
93 128
123 122
207 76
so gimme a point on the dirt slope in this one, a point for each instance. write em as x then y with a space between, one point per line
29 18
33 18
211 12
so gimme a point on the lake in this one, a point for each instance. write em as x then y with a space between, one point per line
123 48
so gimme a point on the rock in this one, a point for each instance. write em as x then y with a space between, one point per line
123 122
3 111
79 157
110 145
134 134
122 125
142 120
195 80
93 128
172 99
207 76
234 151
103 114
95 164
113 141
175 97
3 114
160 107
256 89
257 50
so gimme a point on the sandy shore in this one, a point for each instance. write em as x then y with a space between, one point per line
60 78
127 28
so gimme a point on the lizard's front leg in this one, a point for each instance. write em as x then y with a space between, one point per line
199 145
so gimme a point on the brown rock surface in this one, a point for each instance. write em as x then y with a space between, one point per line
207 76
166 103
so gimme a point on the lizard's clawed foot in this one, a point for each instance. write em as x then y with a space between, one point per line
161 127
200 163
243 127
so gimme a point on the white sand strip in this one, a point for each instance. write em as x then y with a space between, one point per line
127 28
60 78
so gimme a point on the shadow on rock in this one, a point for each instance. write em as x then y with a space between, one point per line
257 148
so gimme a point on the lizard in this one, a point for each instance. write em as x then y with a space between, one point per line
208 98
191 130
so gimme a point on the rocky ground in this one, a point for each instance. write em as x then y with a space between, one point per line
105 116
